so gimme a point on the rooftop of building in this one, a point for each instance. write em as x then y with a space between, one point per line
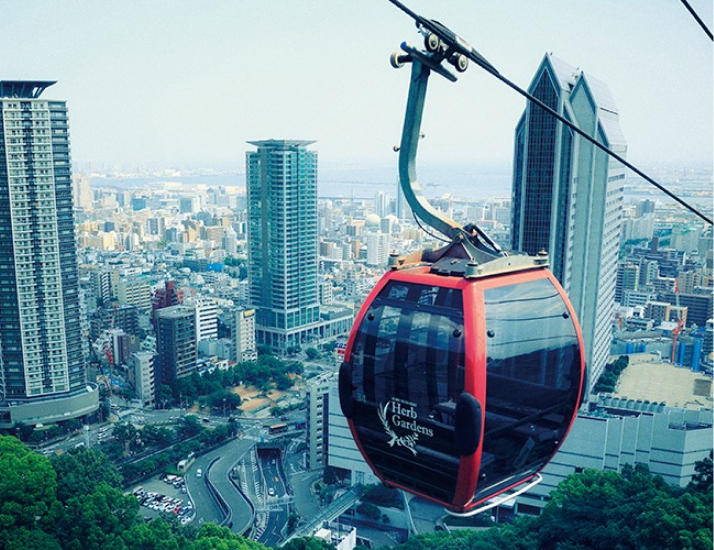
175 312
25 89
281 143
649 378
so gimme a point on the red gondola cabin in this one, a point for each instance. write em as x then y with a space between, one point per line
458 389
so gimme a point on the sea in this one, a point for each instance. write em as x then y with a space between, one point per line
463 182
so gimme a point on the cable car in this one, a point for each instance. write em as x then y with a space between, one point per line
457 389
464 369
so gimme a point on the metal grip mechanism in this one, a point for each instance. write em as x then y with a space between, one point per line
440 45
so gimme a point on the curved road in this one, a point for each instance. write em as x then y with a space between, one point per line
204 504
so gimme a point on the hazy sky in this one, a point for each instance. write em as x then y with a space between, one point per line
188 83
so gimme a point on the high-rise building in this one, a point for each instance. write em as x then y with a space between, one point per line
567 195
628 277
136 292
206 310
283 241
244 335
176 346
381 204
342 450
142 375
42 369
318 397
82 193
377 248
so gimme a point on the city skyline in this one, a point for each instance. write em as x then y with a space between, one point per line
150 85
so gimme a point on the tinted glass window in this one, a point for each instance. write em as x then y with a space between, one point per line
407 370
533 380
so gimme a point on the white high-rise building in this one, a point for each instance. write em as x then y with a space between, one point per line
244 335
42 369
377 248
206 310
143 376
381 204
82 193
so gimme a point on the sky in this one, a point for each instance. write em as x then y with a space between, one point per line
187 83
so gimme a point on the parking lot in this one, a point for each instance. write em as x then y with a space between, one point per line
165 495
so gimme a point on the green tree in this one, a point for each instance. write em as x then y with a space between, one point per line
212 537
629 510
293 520
332 475
329 346
384 496
23 538
295 367
28 491
125 433
312 353
283 382
702 479
157 436
164 395
98 520
81 470
156 535
72 425
224 399
190 425
24 431
369 510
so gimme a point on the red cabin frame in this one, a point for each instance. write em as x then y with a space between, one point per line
471 487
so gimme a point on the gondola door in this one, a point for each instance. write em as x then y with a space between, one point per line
402 387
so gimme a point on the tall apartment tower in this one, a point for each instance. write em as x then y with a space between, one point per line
567 195
206 310
318 397
244 335
176 347
281 181
42 369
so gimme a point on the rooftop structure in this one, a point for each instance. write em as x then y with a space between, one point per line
27 89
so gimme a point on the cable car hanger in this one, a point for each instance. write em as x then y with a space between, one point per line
441 44
471 252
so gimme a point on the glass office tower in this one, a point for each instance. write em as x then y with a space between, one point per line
281 180
568 194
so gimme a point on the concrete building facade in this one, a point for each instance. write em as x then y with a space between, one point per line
244 335
176 348
143 377
42 369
